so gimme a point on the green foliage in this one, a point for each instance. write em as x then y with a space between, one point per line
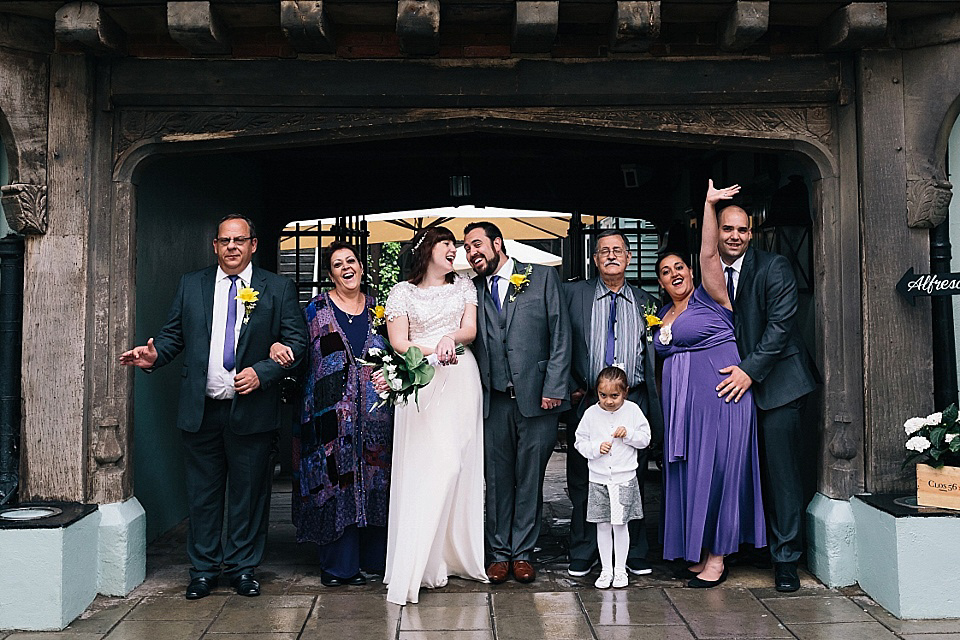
388 269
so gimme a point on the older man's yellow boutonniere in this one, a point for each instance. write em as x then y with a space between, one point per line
377 316
652 319
248 296
520 281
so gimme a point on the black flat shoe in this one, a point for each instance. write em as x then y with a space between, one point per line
330 580
699 583
245 585
786 579
356 581
200 588
685 573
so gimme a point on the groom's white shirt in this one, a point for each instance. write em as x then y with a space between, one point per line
505 271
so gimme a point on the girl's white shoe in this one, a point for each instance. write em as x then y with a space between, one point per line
603 582
620 578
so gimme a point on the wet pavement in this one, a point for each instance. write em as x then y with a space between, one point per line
294 604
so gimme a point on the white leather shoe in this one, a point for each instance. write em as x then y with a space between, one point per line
603 582
620 579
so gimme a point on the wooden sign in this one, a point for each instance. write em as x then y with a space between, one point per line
913 284
938 487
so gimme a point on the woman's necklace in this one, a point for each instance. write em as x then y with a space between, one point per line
350 316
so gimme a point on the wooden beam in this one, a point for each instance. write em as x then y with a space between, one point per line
535 26
746 23
25 34
418 26
306 26
88 25
196 25
927 31
853 26
635 25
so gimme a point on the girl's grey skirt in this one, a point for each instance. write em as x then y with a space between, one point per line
616 504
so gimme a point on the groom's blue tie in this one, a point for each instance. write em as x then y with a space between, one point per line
610 352
229 337
495 292
729 271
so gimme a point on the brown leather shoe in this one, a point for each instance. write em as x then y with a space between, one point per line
498 572
523 571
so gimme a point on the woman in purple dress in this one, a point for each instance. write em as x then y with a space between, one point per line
711 489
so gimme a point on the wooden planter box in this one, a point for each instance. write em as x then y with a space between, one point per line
938 487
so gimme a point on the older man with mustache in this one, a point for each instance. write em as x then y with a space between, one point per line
607 328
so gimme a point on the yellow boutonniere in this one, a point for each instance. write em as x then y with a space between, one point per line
520 282
248 296
652 319
378 313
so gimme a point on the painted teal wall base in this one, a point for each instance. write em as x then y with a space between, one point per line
122 564
909 565
49 575
832 541
179 202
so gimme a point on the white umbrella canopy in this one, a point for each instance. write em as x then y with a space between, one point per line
517 251
401 226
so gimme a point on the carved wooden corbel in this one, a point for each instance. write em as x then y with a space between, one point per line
418 27
635 25
88 25
25 206
928 202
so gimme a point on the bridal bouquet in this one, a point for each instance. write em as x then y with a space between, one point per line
405 374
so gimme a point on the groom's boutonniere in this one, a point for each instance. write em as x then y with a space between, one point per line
520 282
652 319
248 296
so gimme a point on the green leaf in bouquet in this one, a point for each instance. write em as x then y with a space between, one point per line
955 445
936 437
413 357
950 414
423 374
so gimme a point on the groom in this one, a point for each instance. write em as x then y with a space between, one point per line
229 401
523 350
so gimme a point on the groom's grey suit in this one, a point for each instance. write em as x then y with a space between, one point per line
524 355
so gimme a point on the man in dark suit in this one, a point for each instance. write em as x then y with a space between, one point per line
224 319
523 351
776 365
608 327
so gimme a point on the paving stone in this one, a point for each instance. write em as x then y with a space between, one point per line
816 609
353 607
260 620
269 602
543 627
629 607
842 631
642 633
250 636
52 635
152 630
381 629
177 608
446 635
529 604
102 615
440 618
725 613
905 627
432 598
931 636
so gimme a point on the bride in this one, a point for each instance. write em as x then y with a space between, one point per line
435 526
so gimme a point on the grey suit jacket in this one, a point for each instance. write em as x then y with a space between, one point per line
538 341
580 297
277 317
764 318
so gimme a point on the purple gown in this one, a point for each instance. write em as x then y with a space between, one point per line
711 488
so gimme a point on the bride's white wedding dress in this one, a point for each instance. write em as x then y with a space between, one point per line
435 526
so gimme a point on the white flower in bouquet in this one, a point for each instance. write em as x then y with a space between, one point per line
375 351
395 383
918 443
934 419
913 425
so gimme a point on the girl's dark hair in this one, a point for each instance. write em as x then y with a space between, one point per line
663 256
423 244
336 246
615 375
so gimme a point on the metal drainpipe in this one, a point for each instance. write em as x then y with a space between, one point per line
944 341
11 330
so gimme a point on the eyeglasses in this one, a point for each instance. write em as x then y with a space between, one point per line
618 252
239 241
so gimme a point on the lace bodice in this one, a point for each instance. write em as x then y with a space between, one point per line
431 311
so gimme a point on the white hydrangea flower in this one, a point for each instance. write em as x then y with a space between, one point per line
913 425
949 437
918 444
934 419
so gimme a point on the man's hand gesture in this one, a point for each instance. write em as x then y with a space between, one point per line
143 357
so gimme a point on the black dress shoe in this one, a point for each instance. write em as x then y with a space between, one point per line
330 580
786 579
356 581
700 583
246 585
200 588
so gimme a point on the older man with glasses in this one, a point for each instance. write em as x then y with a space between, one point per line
608 329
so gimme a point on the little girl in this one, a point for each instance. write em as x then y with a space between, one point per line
609 435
